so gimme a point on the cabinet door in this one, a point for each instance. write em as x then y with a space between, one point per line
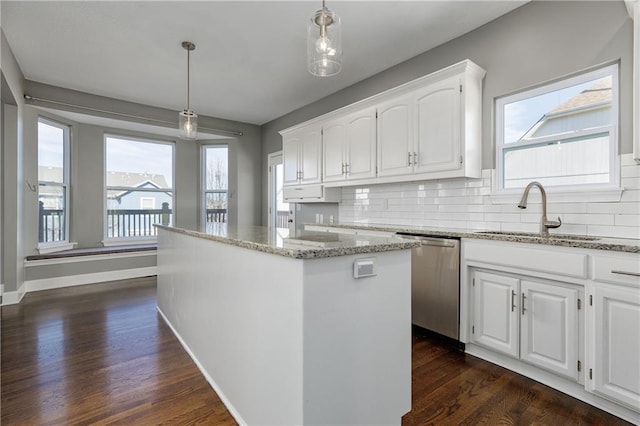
333 140
311 156
616 334
290 158
495 312
361 145
438 127
549 327
395 137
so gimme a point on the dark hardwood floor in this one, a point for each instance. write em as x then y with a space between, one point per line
101 354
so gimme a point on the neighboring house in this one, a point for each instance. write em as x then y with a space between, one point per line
576 129
136 200
589 108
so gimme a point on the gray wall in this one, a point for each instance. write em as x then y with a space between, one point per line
12 176
87 179
535 43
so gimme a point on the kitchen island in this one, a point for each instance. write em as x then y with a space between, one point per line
312 328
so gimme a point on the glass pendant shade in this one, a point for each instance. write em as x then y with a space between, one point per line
188 124
324 43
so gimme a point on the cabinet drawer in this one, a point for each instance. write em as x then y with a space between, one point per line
311 194
621 268
514 255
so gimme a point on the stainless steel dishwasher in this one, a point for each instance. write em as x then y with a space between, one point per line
435 284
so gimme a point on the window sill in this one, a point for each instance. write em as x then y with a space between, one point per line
128 241
602 195
55 247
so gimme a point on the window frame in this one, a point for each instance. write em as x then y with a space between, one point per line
203 181
609 191
112 241
52 246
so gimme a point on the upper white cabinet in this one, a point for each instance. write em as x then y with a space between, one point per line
302 156
428 128
395 136
433 131
349 146
421 132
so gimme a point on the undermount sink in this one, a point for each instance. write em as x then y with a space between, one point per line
534 235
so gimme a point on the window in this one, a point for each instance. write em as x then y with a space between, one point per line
215 178
53 182
139 187
562 134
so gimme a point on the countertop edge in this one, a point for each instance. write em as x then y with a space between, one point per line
306 253
600 244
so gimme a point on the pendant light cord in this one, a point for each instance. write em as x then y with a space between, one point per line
188 77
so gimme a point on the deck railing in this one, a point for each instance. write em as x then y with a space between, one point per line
282 218
121 223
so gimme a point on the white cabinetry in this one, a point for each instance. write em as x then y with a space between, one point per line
613 315
433 131
615 363
349 146
534 321
566 317
428 128
395 136
495 316
302 158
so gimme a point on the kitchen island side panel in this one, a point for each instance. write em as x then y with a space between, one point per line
357 352
239 312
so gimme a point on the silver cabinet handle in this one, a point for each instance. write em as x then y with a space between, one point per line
513 300
633 274
523 297
415 159
346 168
342 169
409 159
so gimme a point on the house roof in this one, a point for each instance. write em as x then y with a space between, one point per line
133 180
597 93
119 179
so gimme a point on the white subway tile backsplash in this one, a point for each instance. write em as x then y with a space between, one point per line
466 204
591 219
626 220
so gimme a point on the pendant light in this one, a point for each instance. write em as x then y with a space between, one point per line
187 119
324 44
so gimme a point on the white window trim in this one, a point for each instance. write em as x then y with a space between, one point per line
122 241
53 246
609 192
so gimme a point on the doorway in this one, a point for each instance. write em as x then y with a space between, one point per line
278 209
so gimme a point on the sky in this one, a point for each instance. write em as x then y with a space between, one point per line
521 115
126 155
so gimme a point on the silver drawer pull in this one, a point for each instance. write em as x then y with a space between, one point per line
633 274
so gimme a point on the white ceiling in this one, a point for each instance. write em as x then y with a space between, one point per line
250 61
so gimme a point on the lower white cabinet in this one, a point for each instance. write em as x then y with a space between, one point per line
566 317
495 315
614 364
549 327
534 321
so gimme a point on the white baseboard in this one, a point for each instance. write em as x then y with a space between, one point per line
13 297
216 388
93 278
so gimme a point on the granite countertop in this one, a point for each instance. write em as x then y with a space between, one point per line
628 245
301 245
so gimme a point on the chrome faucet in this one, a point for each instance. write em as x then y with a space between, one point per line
544 223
